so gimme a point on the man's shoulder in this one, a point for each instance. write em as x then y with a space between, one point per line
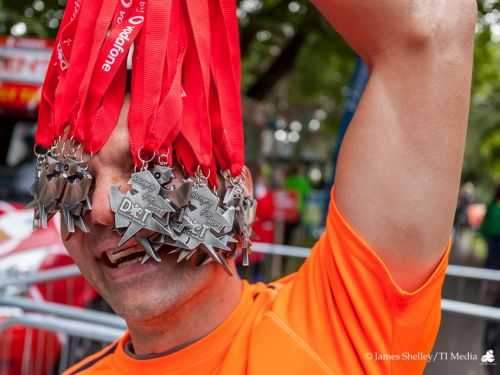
96 363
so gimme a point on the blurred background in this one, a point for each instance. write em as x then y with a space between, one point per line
301 86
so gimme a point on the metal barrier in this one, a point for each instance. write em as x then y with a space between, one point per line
266 248
42 338
103 327
44 276
64 311
78 328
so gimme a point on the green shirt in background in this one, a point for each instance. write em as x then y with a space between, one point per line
301 185
491 223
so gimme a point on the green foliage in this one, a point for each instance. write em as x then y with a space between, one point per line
321 70
40 17
319 65
482 158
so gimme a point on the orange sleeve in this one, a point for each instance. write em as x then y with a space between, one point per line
344 303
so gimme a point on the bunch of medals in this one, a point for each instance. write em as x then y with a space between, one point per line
85 88
62 183
189 219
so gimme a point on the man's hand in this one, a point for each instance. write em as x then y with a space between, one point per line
399 167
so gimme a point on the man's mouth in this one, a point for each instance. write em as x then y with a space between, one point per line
118 258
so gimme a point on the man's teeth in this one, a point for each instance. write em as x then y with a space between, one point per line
129 262
115 255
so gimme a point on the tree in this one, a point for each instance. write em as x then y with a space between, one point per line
296 63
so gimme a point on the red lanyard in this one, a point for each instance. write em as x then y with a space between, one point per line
156 108
225 105
166 121
84 45
194 149
105 82
46 132
185 82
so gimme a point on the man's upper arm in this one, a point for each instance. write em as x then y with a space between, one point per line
399 166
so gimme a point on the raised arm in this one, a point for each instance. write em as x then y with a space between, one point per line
399 167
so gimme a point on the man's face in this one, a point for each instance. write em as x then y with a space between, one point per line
136 291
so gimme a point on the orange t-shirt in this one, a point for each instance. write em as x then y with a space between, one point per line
341 313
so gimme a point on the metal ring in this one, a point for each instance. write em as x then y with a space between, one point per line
233 180
67 151
78 153
143 161
164 156
39 154
199 173
200 178
226 174
90 155
54 148
63 149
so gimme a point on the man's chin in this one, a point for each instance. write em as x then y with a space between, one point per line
164 288
140 304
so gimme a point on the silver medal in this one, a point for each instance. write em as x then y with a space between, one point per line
75 198
62 182
140 208
47 191
204 209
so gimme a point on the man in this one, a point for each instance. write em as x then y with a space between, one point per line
370 290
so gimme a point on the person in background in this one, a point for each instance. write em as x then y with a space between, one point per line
299 183
463 231
465 199
490 229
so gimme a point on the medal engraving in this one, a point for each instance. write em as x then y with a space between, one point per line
204 208
189 220
140 208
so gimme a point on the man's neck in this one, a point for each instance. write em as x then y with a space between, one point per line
192 321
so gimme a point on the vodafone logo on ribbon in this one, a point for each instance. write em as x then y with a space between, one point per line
136 20
122 39
126 3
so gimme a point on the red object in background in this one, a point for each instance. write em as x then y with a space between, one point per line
286 205
263 227
41 250
23 63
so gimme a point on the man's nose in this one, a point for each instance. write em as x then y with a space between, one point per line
101 213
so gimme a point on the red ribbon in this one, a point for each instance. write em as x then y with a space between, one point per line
155 117
185 96
196 148
89 33
46 132
101 84
167 118
225 106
